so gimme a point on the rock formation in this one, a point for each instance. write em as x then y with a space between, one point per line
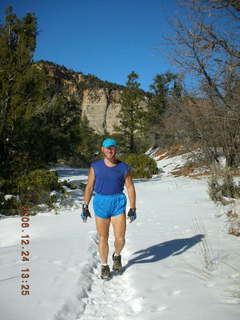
98 100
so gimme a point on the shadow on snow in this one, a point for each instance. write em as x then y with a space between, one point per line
163 250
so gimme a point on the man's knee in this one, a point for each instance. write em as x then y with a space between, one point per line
120 239
103 238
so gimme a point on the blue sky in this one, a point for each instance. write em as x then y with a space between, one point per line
107 38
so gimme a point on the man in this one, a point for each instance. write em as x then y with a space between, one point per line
107 178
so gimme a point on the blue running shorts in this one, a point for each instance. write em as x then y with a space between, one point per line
106 206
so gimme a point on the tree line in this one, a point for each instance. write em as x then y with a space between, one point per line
37 125
205 44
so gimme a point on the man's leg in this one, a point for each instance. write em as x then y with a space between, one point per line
119 229
102 226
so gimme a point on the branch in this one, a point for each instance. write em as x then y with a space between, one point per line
208 78
221 43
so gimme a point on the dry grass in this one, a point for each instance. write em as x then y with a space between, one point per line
170 152
183 171
187 169
234 232
235 172
221 172
206 251
231 214
234 223
199 175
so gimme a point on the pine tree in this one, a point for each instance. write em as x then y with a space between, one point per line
164 86
21 87
166 90
132 114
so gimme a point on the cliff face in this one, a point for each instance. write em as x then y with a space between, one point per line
102 109
98 100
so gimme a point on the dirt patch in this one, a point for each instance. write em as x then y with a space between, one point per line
189 172
187 169
170 152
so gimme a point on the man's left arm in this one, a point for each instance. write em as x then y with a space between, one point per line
132 196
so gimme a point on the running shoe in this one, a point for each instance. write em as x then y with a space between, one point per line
105 272
117 263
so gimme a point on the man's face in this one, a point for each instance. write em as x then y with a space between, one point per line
109 152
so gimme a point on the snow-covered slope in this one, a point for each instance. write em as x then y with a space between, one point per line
179 262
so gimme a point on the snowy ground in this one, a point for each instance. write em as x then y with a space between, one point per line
179 262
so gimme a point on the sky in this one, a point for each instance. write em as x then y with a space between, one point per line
107 38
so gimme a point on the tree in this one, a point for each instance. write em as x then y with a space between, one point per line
212 56
164 86
21 88
38 123
165 89
132 115
219 4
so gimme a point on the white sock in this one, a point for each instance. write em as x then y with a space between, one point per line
104 264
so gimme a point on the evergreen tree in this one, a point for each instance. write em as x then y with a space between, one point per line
38 124
132 115
166 90
21 87
164 86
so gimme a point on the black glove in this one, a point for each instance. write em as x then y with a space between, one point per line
85 213
132 214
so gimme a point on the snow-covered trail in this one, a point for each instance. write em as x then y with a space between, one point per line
179 263
187 264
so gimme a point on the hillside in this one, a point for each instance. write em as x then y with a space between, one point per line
98 99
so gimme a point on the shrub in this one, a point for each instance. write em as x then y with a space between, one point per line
9 205
69 184
9 202
35 188
233 223
142 165
223 186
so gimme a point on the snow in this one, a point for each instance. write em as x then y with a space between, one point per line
8 196
167 165
179 261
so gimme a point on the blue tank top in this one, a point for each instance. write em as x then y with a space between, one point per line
109 180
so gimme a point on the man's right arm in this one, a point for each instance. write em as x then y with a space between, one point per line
89 187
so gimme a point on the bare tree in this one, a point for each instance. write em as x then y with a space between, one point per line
206 43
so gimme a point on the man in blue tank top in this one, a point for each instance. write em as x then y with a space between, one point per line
107 178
